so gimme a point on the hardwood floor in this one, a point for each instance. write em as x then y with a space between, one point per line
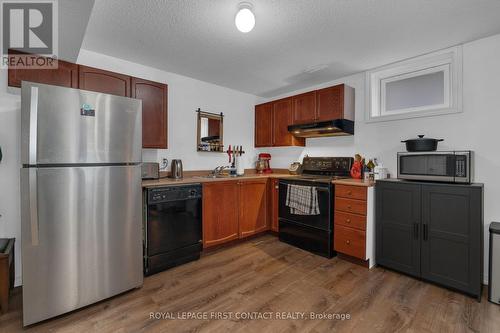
264 275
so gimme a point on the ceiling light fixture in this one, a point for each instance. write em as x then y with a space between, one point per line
244 19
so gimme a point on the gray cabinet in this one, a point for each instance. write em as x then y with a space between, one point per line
398 216
432 231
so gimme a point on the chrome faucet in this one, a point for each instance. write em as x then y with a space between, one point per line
218 170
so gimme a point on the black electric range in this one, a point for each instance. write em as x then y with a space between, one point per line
313 233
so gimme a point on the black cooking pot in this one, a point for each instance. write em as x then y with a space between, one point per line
422 144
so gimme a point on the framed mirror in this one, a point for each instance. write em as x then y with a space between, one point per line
210 132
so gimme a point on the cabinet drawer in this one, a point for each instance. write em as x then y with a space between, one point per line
350 241
350 205
350 220
351 192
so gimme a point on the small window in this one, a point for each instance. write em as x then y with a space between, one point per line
423 86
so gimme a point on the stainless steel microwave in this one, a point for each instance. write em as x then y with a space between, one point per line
437 166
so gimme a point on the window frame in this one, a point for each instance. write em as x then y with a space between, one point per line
448 61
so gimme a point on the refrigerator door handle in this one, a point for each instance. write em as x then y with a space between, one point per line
33 126
33 206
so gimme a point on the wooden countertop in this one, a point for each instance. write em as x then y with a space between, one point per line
354 182
192 179
201 179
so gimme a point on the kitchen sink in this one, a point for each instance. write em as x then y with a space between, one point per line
213 176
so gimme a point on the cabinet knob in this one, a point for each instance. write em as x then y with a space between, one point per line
348 242
277 187
348 220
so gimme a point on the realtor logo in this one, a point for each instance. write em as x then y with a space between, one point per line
29 33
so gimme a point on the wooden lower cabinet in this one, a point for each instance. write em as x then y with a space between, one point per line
354 233
350 205
252 207
234 209
350 241
220 213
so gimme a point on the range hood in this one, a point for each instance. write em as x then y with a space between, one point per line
337 127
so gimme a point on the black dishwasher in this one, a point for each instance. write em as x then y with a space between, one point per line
172 226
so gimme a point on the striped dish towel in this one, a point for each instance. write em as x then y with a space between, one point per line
302 200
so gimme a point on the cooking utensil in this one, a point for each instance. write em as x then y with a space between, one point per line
421 144
229 153
234 156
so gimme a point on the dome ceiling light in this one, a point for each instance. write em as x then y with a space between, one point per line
244 19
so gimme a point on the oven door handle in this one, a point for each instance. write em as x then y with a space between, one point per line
318 188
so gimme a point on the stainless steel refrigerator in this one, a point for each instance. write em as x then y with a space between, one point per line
80 198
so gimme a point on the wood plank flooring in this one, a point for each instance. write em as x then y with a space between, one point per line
264 276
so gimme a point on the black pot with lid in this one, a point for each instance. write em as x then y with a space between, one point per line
421 144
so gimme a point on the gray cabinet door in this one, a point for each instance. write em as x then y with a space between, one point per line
398 208
451 239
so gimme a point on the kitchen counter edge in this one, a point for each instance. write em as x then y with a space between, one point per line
196 180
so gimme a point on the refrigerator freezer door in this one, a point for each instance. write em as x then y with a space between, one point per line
87 241
71 126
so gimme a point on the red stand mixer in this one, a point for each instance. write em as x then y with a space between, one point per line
262 165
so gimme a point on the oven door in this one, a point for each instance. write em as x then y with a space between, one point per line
321 221
431 166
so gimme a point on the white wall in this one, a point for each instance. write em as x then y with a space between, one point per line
476 128
185 95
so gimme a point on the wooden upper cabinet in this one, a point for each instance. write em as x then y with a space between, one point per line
304 107
66 75
330 103
335 102
220 212
282 118
104 81
264 125
154 111
253 207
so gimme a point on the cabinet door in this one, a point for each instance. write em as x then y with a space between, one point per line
273 201
252 204
398 213
66 75
304 107
154 111
99 80
330 103
264 125
220 213
451 239
282 118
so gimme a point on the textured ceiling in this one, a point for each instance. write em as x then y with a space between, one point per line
73 18
294 44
